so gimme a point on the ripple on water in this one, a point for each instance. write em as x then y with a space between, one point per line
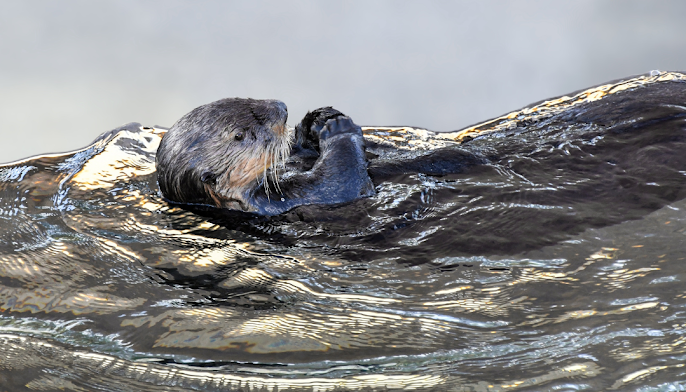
555 266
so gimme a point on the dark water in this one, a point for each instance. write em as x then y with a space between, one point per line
550 257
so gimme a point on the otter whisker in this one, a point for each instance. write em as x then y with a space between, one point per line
275 165
281 155
265 179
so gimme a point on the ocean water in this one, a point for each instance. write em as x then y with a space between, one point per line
552 260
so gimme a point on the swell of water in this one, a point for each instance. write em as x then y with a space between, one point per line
540 250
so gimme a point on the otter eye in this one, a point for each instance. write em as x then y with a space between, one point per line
239 136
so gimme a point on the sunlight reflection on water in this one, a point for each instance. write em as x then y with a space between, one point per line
445 286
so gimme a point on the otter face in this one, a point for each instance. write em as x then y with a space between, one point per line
220 152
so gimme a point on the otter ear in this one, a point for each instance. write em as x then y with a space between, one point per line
208 178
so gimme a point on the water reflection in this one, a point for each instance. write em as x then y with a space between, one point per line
556 267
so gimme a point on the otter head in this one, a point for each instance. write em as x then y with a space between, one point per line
220 152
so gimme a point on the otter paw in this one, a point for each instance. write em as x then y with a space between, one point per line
308 130
339 126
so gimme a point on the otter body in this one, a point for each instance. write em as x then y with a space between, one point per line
609 144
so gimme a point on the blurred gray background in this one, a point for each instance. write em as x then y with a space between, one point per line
72 69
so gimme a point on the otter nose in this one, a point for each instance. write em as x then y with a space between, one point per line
279 110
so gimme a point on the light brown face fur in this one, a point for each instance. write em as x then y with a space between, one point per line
220 152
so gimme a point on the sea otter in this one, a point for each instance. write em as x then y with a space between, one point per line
556 161
229 153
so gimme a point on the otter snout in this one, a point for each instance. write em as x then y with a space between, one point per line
278 112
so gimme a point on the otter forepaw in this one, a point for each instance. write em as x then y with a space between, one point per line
307 132
338 126
318 117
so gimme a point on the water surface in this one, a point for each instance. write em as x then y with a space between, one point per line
553 260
